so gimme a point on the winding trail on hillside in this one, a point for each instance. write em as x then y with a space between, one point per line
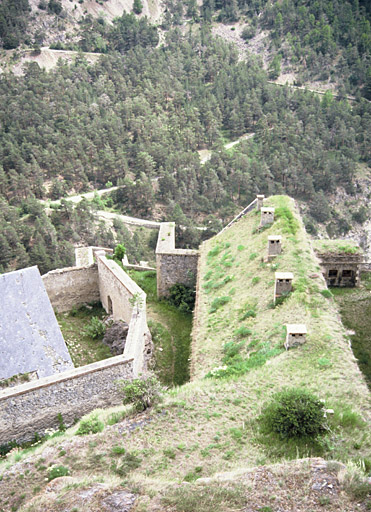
133 221
79 197
205 154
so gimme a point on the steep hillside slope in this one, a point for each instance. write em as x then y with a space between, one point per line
209 425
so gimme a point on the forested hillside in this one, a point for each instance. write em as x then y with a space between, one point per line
138 117
323 40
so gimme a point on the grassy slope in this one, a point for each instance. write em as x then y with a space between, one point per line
208 425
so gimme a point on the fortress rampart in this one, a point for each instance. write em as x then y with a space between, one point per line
34 407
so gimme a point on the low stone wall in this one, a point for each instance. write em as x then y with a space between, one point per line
254 204
71 287
173 265
125 300
34 407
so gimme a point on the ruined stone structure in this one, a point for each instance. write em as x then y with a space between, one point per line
173 265
34 407
30 337
283 283
267 216
122 298
274 246
340 268
295 335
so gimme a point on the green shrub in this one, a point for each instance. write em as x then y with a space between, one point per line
293 413
54 7
250 313
242 332
217 303
56 472
324 363
291 225
191 476
95 329
182 297
129 462
327 294
142 393
215 251
137 6
279 300
255 280
90 425
231 349
119 252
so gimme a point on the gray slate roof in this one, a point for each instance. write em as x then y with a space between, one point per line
30 338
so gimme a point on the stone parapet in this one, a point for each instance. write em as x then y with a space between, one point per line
122 298
35 407
173 265
72 287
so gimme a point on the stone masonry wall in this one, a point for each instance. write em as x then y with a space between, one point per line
173 265
128 302
34 407
71 287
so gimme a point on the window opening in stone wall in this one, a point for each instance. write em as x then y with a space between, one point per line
109 305
332 273
347 273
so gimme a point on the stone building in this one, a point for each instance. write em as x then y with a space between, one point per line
341 262
31 341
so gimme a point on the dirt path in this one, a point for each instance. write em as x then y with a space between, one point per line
205 154
79 197
134 221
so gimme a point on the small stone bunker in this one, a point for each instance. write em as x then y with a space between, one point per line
266 216
30 338
274 245
35 406
341 262
173 265
295 335
282 283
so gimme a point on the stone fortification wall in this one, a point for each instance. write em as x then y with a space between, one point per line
254 204
173 265
34 407
71 287
125 300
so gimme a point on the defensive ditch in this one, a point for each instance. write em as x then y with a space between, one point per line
355 310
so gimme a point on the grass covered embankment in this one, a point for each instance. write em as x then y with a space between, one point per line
210 425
